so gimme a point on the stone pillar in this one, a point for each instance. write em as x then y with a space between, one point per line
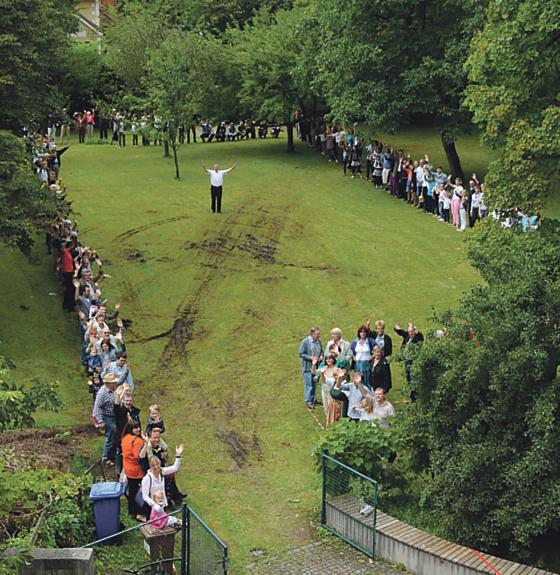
76 561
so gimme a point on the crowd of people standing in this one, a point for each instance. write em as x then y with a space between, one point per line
355 376
148 128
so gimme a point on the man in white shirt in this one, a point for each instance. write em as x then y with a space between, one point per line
420 182
355 392
216 181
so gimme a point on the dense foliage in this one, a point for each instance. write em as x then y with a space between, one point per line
358 445
40 507
34 41
26 207
370 73
86 77
486 422
513 92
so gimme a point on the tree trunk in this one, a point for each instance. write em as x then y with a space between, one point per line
172 139
174 148
452 158
290 130
421 14
166 147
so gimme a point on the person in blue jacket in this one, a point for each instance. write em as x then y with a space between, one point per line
310 353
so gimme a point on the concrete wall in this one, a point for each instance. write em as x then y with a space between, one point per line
60 562
418 561
425 554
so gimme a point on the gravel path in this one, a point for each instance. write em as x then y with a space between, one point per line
320 558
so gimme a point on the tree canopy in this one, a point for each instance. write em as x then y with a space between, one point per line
34 40
266 55
386 62
514 94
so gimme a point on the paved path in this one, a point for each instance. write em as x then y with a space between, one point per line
320 558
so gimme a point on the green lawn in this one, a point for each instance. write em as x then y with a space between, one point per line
36 335
219 304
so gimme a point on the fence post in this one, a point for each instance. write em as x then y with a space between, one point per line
184 536
376 491
225 560
324 491
188 543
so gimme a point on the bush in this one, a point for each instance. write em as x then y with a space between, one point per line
361 446
42 507
18 403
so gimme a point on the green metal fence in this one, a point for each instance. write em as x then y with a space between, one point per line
193 550
349 505
207 553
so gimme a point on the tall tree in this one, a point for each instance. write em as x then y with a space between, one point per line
266 55
514 93
34 42
86 78
387 62
130 42
190 75
484 429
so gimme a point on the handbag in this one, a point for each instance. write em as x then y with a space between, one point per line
139 498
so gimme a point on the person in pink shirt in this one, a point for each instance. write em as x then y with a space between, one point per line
90 122
158 513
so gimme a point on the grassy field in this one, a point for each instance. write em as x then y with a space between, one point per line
219 303
35 334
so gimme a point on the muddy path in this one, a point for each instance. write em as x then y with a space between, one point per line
148 226
217 248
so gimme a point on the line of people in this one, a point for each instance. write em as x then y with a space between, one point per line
114 126
139 458
47 159
417 182
243 130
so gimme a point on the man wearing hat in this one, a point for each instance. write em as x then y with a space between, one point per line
104 415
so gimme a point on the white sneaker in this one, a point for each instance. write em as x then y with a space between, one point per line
367 510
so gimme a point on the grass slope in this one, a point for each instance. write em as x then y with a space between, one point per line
219 304
36 335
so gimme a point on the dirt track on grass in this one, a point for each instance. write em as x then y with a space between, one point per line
51 447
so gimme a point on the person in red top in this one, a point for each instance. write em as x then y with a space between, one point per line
131 443
67 269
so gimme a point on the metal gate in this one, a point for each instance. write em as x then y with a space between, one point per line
195 549
349 505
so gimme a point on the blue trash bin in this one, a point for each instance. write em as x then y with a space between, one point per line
107 509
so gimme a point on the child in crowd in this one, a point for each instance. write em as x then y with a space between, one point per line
446 204
94 384
365 409
94 363
155 419
158 513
